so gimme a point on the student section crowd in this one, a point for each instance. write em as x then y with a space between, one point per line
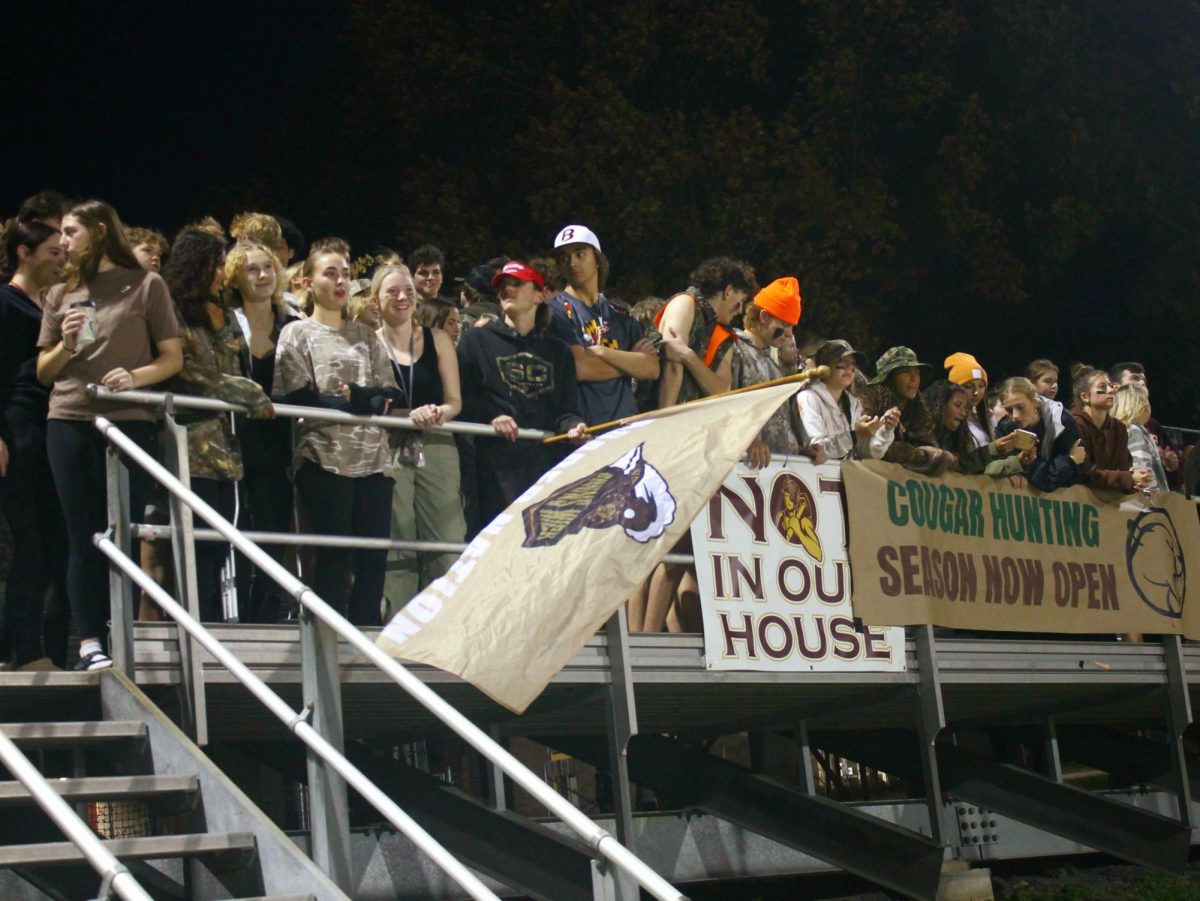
248 314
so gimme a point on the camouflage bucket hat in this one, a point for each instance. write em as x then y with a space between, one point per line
895 358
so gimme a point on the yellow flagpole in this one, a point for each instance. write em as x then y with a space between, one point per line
819 372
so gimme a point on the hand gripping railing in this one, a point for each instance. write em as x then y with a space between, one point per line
603 843
293 411
114 875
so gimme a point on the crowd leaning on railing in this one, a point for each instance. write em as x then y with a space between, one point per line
243 316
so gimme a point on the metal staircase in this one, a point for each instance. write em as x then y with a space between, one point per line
182 827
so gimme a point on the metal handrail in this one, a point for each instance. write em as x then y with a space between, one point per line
294 411
112 872
297 723
162 533
602 842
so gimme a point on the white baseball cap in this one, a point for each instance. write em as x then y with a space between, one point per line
577 234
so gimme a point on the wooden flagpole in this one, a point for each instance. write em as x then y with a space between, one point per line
819 372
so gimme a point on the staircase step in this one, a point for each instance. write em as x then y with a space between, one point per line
103 788
154 848
71 735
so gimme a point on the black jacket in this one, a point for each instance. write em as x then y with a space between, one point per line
20 390
1057 434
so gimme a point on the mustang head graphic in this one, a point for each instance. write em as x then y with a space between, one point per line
629 493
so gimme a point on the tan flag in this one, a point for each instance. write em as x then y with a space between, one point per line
538 581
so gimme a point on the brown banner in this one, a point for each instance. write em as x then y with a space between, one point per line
972 552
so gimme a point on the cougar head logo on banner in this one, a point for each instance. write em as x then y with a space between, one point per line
1154 555
629 493
794 513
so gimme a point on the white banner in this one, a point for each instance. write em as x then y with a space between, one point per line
774 576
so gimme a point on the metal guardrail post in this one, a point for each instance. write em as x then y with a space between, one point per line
497 787
120 588
183 552
1179 717
931 720
1053 758
622 722
621 708
808 780
329 810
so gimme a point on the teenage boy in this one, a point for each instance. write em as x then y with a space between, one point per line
697 332
427 263
516 375
609 346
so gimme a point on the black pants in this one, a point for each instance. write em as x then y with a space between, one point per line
361 508
503 477
76 450
211 555
267 503
33 625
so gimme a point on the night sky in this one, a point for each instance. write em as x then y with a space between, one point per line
180 109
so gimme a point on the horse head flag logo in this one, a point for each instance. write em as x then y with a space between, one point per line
629 493
1154 556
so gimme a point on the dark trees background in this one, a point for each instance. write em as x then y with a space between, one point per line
1007 177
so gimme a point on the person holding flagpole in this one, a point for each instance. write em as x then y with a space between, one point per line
516 375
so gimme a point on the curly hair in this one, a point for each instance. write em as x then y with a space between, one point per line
712 276
258 228
189 273
937 397
235 265
138 236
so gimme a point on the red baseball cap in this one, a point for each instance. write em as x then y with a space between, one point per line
519 271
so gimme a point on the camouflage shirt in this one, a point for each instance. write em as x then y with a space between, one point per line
754 365
316 356
212 360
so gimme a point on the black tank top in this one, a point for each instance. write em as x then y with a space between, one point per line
427 381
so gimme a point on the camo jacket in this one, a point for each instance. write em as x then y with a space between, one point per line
213 361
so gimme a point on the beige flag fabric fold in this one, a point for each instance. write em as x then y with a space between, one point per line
541 578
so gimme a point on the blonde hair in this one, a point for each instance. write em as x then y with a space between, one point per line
383 272
1132 401
235 264
256 228
1018 385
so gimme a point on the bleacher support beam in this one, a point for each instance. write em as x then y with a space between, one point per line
1110 826
858 843
529 857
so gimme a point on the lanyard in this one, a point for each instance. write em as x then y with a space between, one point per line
408 389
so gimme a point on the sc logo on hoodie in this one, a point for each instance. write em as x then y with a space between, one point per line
526 374
1154 557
